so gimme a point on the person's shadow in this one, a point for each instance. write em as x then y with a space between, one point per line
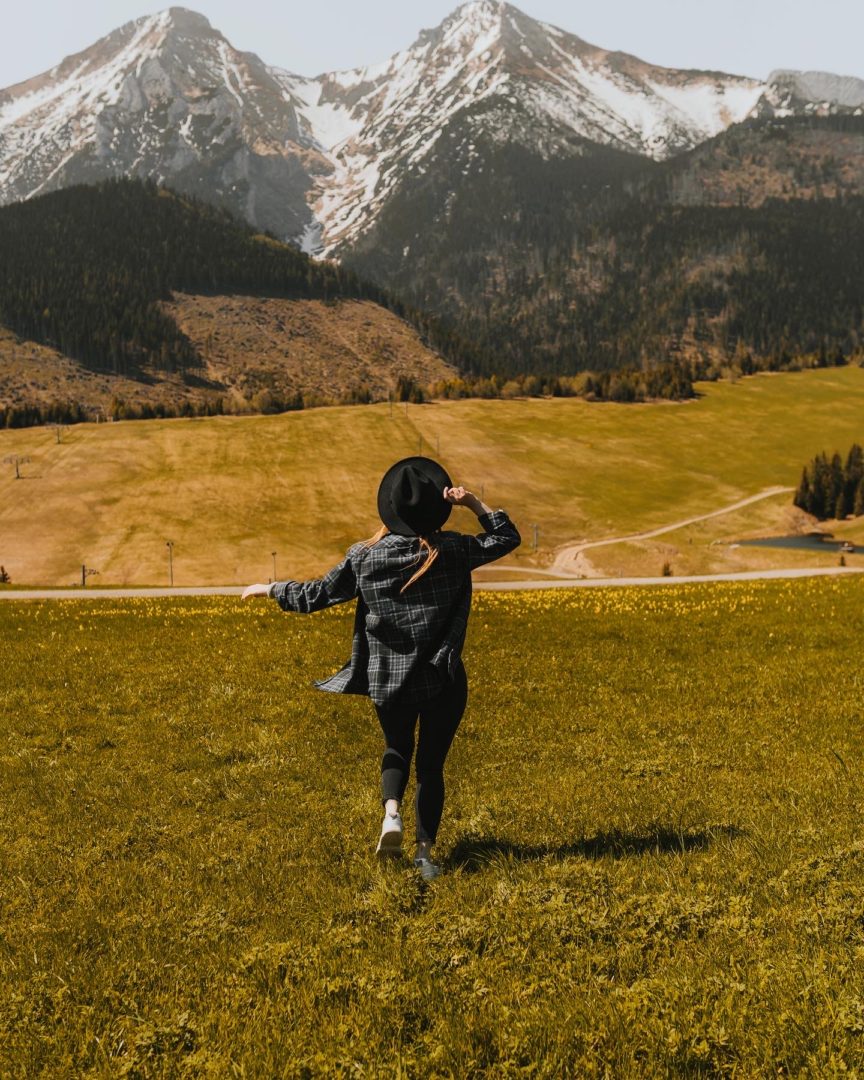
472 853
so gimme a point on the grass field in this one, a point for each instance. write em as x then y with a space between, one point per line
653 842
229 491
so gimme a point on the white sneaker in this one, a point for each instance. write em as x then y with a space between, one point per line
428 869
390 842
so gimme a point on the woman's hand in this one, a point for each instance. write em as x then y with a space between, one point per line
255 590
459 496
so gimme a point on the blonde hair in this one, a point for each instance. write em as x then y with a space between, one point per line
430 549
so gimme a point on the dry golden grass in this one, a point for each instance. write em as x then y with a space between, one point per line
230 490
652 844
252 343
33 374
249 345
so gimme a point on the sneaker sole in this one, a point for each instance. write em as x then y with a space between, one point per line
429 875
390 846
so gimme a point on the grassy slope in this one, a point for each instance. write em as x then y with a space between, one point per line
229 491
653 836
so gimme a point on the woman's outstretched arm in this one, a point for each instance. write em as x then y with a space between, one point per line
499 537
336 587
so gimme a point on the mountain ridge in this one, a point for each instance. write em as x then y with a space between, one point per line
315 159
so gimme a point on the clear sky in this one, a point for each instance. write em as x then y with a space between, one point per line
745 37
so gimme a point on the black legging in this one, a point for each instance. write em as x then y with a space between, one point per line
439 718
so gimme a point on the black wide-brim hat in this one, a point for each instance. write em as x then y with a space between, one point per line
411 497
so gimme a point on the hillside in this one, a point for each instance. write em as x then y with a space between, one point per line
134 293
228 491
603 259
320 351
751 163
85 268
258 354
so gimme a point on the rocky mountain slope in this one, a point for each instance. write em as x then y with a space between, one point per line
165 97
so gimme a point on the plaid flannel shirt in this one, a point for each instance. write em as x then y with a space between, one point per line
406 645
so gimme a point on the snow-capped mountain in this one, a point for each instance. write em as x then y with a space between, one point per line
548 86
165 97
316 160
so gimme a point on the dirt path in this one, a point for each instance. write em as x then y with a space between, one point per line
489 586
567 558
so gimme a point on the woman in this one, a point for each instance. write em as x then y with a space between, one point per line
413 588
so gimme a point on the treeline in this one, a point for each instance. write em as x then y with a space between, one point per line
671 381
498 386
832 488
672 384
54 412
668 382
264 402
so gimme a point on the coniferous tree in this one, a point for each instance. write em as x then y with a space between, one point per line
834 499
858 508
804 495
830 489
853 473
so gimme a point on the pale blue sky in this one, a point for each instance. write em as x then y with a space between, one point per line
745 37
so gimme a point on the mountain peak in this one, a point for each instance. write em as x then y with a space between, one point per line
186 20
479 9
470 21
479 17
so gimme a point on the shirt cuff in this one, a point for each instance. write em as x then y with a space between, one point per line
271 592
493 519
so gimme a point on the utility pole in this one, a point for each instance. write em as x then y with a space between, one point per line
170 545
17 460
273 556
536 529
85 573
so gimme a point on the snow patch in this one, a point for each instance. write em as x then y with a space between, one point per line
310 239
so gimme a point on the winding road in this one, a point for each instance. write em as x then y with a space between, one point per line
570 553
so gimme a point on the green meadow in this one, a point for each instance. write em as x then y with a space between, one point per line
653 844
229 491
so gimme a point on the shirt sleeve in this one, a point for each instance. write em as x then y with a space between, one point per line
499 537
336 587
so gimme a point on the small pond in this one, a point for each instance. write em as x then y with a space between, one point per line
805 543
